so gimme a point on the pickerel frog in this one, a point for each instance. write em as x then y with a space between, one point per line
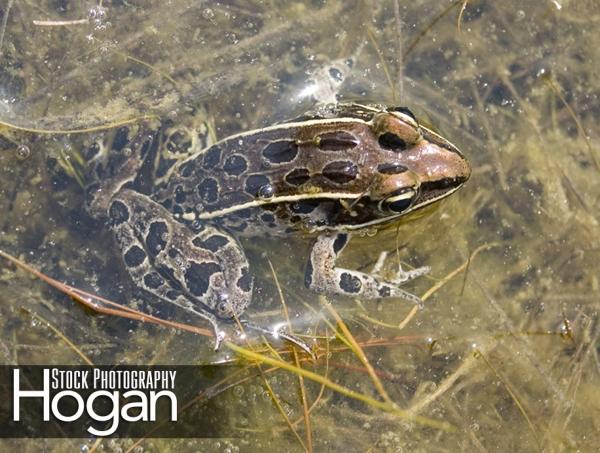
345 168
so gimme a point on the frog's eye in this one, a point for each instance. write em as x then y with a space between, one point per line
398 202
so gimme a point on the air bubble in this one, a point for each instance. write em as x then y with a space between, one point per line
23 152
208 13
371 232
97 16
309 226
266 191
232 37
238 390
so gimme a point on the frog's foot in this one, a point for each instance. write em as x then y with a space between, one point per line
278 333
322 276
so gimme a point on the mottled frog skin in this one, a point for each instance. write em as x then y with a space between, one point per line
177 207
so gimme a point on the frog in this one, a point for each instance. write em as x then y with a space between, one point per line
178 205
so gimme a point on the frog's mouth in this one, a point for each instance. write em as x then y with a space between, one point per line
428 195
432 191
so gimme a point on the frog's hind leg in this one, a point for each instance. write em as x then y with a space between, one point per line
205 273
322 275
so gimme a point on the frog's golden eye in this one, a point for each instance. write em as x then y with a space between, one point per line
398 202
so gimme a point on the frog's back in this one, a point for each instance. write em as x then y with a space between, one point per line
315 173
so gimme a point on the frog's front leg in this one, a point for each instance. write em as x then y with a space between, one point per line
322 275
205 273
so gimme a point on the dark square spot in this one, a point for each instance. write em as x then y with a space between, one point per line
235 165
134 256
197 277
350 283
280 151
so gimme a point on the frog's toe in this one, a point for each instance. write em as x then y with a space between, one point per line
403 276
278 333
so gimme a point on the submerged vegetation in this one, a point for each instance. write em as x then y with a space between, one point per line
504 355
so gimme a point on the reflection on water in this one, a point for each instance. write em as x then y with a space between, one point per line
503 350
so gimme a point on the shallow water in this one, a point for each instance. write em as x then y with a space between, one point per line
505 351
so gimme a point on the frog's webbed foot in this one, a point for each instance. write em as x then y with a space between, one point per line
324 277
278 333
